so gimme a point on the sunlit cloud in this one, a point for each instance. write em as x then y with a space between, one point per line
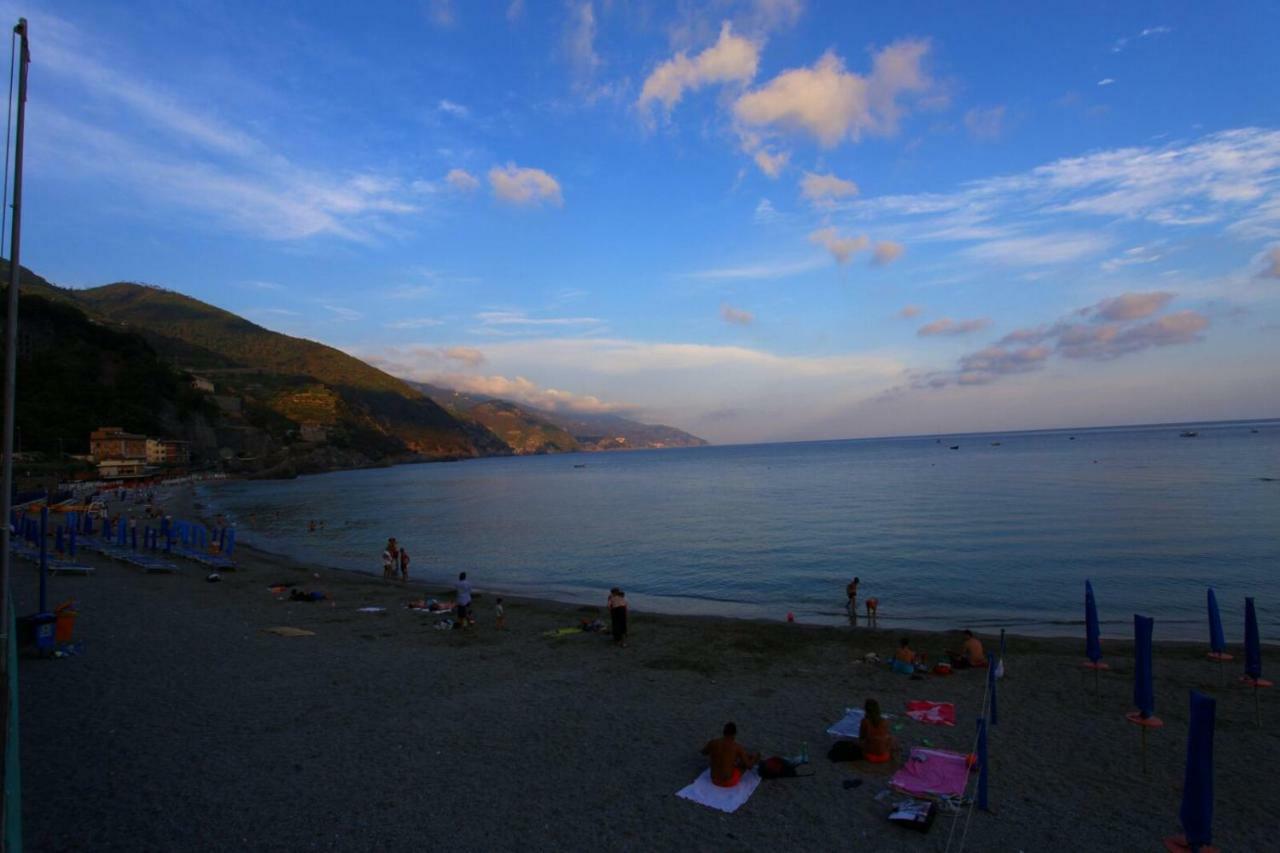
952 328
1040 250
822 190
732 59
832 104
1129 306
886 252
910 311
771 164
985 125
781 269
462 180
524 186
414 323
842 248
517 318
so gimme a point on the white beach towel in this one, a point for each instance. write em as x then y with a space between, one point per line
371 609
704 791
850 725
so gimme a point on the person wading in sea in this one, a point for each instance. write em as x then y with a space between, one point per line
618 615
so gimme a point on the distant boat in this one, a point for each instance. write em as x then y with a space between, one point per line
955 447
1253 430
995 444
1071 438
580 465
1188 433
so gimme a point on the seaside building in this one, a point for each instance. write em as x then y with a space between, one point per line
118 469
114 443
168 451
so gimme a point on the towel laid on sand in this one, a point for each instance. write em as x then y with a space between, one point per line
290 632
703 790
932 773
850 725
933 713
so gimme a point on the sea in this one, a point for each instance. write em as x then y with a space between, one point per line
986 531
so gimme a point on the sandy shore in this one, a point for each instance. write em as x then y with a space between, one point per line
184 726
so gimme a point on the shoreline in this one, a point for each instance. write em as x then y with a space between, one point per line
181 698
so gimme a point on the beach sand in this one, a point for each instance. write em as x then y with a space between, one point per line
184 726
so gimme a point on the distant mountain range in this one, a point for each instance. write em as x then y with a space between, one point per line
284 405
528 429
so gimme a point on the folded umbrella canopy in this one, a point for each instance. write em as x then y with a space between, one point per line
1196 813
1253 657
1144 692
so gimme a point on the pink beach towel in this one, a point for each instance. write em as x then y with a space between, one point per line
933 713
932 773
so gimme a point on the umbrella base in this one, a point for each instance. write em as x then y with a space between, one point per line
1247 681
1091 665
1178 844
1220 656
1137 719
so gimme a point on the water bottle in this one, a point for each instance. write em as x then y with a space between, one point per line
804 753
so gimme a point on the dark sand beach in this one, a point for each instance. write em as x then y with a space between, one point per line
184 726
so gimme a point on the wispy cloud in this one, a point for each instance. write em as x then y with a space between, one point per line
736 316
732 59
462 180
952 328
343 313
985 124
414 323
823 190
778 269
910 311
1147 32
886 252
518 318
1040 250
454 109
1106 81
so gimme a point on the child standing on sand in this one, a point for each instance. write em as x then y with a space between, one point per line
404 565
501 614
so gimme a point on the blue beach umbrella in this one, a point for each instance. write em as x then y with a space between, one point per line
58 544
1197 785
44 554
71 540
1217 640
1092 644
1253 657
1144 691
231 542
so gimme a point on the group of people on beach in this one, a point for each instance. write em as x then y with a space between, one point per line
395 560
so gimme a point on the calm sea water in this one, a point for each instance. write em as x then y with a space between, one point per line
985 536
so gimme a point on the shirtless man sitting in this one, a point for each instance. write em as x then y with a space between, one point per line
727 758
971 655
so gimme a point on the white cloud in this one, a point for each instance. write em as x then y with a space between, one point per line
453 109
771 164
519 318
1129 306
985 125
470 356
779 269
414 323
832 104
886 252
842 248
765 212
525 186
1105 81
822 190
1134 256
580 43
462 180
1146 32
736 316
343 313
1041 250
732 59
1272 264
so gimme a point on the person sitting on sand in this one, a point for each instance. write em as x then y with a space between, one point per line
874 738
971 655
904 659
727 757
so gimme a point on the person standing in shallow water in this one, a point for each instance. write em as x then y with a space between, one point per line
851 590
618 615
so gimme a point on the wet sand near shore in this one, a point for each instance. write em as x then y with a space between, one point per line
184 726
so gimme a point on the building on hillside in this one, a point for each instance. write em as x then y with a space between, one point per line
168 451
311 431
118 469
201 384
115 443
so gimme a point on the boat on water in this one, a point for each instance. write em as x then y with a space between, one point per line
995 444
1188 433
955 447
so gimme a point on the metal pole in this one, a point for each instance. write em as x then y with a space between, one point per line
11 343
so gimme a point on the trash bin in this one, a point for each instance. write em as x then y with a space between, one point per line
42 627
64 622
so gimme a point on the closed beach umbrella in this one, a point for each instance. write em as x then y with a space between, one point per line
71 541
1217 640
1197 786
57 539
1092 643
231 542
1252 642
1144 691
1253 657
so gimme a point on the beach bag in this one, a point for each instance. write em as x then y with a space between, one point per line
845 750
914 814
775 768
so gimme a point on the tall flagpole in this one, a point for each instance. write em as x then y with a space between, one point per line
11 346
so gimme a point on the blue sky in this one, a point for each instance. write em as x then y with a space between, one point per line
758 220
